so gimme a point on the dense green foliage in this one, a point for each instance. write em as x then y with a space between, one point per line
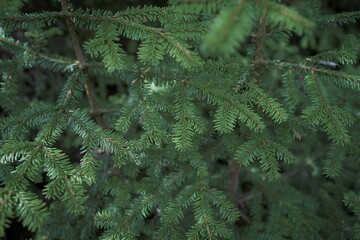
196 119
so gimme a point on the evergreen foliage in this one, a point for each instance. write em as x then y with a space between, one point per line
194 120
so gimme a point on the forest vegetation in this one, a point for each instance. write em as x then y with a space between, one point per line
179 119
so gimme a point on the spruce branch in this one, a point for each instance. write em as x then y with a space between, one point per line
29 19
339 18
135 30
341 79
16 47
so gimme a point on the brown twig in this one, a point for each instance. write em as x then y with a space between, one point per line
89 84
89 88
260 45
260 40
234 170
74 38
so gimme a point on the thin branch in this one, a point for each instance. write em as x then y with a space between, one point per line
260 40
74 38
35 53
90 92
89 85
260 45
330 73
234 170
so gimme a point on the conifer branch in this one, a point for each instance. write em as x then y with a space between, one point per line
38 56
340 78
339 18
